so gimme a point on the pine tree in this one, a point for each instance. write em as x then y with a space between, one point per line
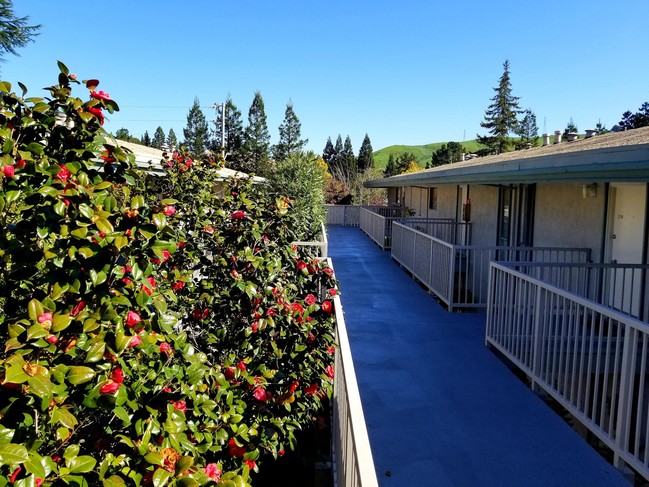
14 31
446 154
290 142
196 132
571 128
501 116
329 153
123 134
528 131
256 144
158 138
390 168
349 159
146 139
172 140
365 156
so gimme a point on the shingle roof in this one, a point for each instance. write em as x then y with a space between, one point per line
621 156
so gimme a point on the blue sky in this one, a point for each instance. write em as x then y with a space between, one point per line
404 72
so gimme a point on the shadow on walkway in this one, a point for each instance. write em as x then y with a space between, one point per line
441 408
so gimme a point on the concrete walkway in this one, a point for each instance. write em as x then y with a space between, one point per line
441 408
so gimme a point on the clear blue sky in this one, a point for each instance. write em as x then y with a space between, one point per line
402 71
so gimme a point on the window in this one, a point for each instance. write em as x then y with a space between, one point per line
432 198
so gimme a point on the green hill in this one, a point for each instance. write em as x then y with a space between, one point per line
422 152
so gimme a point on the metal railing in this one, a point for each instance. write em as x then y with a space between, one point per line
446 229
459 274
590 358
346 215
353 464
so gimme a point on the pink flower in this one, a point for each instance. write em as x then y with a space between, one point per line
333 292
166 349
117 375
45 317
309 300
327 306
169 210
238 215
213 471
330 371
38 482
241 365
235 274
135 341
52 339
180 405
331 350
100 95
8 171
260 394
110 387
132 319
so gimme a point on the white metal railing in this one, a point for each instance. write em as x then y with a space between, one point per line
353 464
347 215
321 245
459 274
446 229
590 358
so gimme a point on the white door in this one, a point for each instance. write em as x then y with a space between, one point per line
626 239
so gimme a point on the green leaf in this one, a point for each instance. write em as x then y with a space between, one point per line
36 331
120 242
5 86
105 226
184 464
82 464
114 481
12 454
65 417
35 309
95 352
64 69
79 374
61 322
160 477
137 202
35 465
97 278
154 458
6 435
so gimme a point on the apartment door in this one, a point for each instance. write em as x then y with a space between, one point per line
628 203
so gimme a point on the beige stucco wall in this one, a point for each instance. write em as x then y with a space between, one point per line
417 199
484 214
565 218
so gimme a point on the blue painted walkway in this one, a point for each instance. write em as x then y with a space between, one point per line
441 408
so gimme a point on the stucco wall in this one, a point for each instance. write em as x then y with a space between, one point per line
564 218
417 200
484 214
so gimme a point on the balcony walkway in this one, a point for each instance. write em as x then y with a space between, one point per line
441 408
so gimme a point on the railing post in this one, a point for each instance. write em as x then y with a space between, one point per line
627 375
451 279
537 332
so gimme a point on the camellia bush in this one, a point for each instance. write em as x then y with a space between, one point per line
146 340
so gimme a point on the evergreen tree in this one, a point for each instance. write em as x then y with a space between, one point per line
501 116
329 153
365 156
146 139
571 128
338 158
172 140
348 159
196 132
528 131
290 142
635 120
390 168
256 143
158 138
123 134
601 128
14 31
447 154
406 162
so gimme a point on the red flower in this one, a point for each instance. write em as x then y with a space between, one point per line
251 463
309 300
327 306
97 112
302 266
64 174
117 375
333 292
180 405
235 274
294 386
177 286
52 339
166 349
151 287
208 229
9 171
229 373
135 341
241 365
312 389
238 215
328 270
100 95
297 308
38 482
169 210
236 450
260 394
330 371
110 387
213 471
14 475
20 163
132 319
281 453
255 326
331 350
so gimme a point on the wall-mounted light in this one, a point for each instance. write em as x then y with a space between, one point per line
589 190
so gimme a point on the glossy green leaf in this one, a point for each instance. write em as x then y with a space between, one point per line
114 481
82 464
35 309
161 477
13 454
79 375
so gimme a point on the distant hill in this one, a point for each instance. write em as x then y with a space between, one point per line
422 152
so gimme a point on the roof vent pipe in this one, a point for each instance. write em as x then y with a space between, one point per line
572 136
546 139
590 133
463 156
557 136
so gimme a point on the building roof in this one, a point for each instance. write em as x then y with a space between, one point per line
149 158
621 156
